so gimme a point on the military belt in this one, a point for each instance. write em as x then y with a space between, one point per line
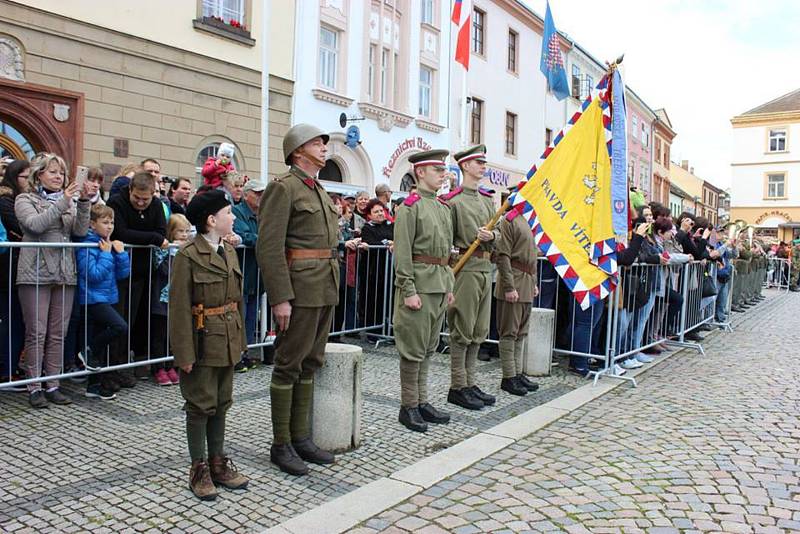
528 268
311 254
430 260
200 312
478 254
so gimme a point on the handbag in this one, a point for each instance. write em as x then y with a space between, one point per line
709 288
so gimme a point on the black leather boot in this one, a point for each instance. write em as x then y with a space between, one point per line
412 419
513 386
485 398
432 415
309 452
285 457
525 381
465 398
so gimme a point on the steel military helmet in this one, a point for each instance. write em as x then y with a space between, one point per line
297 136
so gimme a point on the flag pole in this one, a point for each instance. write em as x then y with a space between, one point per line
475 244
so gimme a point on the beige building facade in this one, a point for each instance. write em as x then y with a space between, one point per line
765 168
76 80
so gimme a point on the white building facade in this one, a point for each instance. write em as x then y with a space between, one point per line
386 62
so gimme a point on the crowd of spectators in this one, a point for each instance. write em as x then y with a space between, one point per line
54 299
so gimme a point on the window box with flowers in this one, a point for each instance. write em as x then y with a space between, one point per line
230 29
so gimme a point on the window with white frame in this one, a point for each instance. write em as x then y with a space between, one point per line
589 85
384 75
777 140
427 11
511 134
576 81
328 57
634 126
645 135
478 28
227 10
372 68
513 40
776 185
425 90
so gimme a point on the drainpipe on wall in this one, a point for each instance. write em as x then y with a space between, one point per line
265 7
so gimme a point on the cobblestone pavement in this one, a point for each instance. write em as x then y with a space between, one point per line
122 465
703 444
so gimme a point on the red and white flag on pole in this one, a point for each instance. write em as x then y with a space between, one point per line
465 26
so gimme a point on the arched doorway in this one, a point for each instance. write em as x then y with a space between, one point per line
13 143
331 172
407 182
41 119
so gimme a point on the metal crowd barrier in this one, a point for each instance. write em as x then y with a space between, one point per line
365 305
653 304
779 273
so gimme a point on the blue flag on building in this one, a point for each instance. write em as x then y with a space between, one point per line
552 63
619 157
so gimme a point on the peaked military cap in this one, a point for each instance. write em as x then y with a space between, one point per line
429 157
476 152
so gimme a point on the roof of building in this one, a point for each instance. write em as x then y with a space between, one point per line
680 192
788 102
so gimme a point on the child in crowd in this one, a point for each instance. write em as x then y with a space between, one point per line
216 167
99 270
206 328
178 230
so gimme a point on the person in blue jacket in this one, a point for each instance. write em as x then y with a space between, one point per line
99 270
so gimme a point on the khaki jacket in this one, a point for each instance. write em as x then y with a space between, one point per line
471 209
45 221
516 245
200 276
296 213
422 228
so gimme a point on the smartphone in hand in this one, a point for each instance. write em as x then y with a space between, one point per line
81 176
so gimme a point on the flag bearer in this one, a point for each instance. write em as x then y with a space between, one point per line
471 207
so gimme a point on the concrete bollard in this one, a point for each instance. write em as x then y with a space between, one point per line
537 357
336 412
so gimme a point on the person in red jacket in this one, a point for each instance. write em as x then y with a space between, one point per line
215 168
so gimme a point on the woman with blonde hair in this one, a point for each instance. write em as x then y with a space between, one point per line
50 211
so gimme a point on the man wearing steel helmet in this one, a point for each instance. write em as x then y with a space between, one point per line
297 254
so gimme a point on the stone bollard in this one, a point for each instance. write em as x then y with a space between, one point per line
336 412
537 356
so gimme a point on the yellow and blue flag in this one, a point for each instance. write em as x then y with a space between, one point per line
567 203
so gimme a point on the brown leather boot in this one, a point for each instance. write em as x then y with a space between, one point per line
200 481
224 473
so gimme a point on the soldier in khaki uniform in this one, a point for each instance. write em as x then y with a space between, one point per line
468 319
297 254
424 286
794 284
207 335
515 291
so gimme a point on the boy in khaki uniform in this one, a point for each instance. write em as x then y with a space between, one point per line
424 286
471 208
207 336
514 291
298 256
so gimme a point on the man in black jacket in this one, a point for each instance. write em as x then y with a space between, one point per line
138 220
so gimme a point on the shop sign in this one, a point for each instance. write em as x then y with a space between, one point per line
774 213
498 177
402 147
